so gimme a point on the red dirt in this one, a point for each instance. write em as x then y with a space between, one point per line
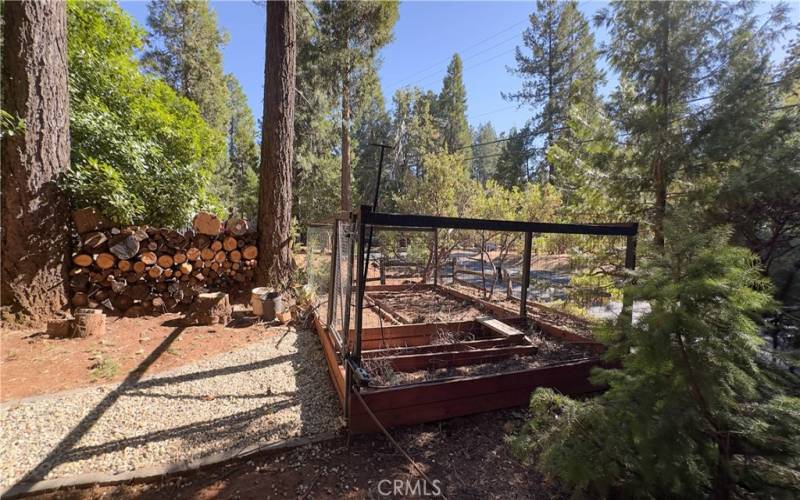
466 455
33 363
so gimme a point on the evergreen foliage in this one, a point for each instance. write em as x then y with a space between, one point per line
350 35
184 47
485 157
451 108
691 412
511 168
243 153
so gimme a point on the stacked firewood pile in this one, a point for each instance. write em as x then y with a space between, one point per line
142 270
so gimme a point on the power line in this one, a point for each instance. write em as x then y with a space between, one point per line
465 69
463 51
684 117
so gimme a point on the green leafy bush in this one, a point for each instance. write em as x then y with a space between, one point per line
131 129
99 185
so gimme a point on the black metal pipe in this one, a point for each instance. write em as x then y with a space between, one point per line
431 222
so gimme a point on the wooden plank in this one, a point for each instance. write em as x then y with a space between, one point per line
436 401
398 331
334 370
560 376
458 346
362 423
399 288
391 310
434 360
498 326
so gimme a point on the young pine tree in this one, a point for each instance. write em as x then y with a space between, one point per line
691 413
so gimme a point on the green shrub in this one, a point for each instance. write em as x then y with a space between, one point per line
143 141
695 409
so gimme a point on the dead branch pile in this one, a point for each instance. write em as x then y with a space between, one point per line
138 270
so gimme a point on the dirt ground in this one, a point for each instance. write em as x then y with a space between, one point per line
427 306
32 363
467 456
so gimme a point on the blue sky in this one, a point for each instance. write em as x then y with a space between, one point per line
426 36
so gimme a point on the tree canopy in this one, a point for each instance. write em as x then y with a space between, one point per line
140 152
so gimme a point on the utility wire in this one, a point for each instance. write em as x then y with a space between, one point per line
463 51
560 129
465 69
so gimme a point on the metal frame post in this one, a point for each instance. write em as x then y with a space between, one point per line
349 299
363 262
332 279
526 275
626 314
435 257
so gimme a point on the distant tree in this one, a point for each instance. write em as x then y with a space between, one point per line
415 133
35 214
184 47
277 146
485 162
451 108
140 153
351 33
558 67
511 168
371 126
242 151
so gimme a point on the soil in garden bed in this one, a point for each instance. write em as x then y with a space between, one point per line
427 306
565 321
548 352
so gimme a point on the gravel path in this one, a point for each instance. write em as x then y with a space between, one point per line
266 392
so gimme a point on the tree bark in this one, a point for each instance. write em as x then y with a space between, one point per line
35 213
275 194
347 205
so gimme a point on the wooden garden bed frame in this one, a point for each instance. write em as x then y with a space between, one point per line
407 347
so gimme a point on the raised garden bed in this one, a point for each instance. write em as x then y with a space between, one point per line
426 371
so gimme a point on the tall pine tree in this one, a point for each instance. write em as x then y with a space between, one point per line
558 67
666 54
451 108
242 151
184 47
351 33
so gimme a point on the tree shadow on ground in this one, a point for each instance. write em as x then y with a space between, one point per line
232 430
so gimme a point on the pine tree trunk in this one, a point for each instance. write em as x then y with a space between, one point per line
346 203
663 101
275 194
35 231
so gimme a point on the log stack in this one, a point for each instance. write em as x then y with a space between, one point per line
139 270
